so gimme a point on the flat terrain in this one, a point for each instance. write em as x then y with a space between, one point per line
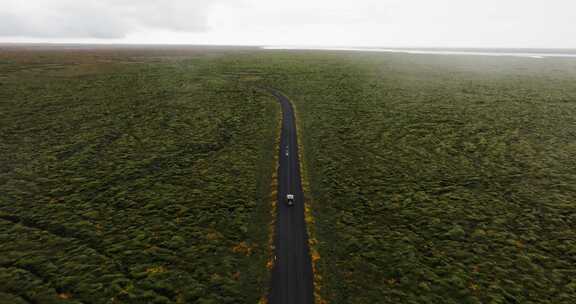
439 179
131 176
144 175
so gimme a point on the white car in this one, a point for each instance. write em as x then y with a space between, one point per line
290 199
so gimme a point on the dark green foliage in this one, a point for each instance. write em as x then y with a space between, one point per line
440 179
131 183
437 179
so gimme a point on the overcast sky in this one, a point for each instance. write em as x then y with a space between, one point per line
386 23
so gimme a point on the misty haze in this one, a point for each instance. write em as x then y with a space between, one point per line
301 152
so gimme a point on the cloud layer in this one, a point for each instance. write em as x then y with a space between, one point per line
101 18
417 23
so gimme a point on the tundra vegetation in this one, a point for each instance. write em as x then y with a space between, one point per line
131 176
439 179
141 175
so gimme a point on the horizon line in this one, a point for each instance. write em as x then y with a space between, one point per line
272 45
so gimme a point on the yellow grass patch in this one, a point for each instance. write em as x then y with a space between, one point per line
242 248
65 295
156 269
213 235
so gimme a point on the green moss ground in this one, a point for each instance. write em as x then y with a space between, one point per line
440 179
138 175
131 183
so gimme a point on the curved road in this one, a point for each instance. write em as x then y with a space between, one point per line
292 278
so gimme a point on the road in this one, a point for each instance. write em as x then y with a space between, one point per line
292 278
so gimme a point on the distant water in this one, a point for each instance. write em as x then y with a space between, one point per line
528 53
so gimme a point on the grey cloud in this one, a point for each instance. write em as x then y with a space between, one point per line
101 18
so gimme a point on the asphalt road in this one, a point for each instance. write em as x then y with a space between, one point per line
292 278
